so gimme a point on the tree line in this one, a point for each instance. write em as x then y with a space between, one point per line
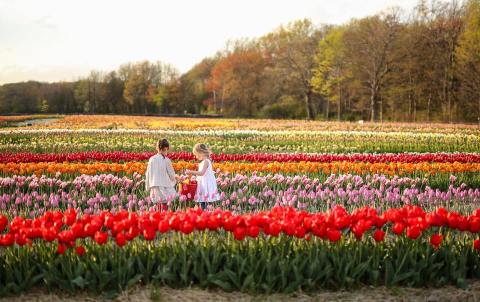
423 65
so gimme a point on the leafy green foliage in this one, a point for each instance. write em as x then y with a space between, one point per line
262 265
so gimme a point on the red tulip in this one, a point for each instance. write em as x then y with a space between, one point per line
187 227
342 222
3 222
452 219
61 248
101 237
398 228
109 221
435 219
239 233
436 240
49 234
474 224
463 224
66 236
289 229
213 223
174 222
149 234
253 231
413 232
120 239
132 233
70 216
333 235
379 235
202 223
21 239
7 240
117 227
163 226
80 250
300 232
274 229
77 229
476 244
380 221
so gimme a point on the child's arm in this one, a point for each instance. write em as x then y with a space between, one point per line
147 176
199 173
171 172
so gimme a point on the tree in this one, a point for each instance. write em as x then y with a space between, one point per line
82 95
447 27
193 88
330 72
468 54
112 95
237 78
369 43
143 81
44 106
292 50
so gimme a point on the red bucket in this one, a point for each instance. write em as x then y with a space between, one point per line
188 189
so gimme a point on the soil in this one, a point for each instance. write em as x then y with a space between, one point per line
150 293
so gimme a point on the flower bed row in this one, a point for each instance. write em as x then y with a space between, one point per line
120 156
67 227
226 181
237 141
395 168
256 265
281 250
136 122
33 195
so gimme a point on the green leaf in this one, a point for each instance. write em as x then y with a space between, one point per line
134 280
226 286
80 282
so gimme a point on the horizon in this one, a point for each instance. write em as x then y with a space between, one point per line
56 41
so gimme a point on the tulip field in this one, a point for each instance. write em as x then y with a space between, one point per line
302 206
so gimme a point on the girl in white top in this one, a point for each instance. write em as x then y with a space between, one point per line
207 191
160 178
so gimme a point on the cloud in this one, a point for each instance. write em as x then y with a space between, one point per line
91 33
7 50
45 73
45 22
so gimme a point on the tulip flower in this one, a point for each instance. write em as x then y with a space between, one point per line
436 240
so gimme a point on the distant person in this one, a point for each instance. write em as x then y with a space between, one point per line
160 178
207 191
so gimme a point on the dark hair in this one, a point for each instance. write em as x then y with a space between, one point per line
163 144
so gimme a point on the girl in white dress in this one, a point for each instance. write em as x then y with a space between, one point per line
207 191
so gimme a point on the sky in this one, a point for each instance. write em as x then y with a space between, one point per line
52 40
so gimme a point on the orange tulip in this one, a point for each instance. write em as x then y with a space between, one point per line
395 168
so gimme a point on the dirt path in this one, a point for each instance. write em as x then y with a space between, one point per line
191 295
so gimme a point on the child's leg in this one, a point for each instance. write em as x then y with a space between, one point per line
154 194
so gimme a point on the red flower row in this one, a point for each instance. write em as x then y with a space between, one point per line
66 227
119 156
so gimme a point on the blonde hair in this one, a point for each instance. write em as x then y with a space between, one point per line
202 149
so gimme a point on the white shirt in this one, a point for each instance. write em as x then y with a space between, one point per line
159 173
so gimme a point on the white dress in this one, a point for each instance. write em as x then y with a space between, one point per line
207 184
